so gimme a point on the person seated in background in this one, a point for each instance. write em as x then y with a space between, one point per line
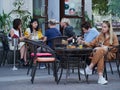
67 29
89 33
16 32
52 32
105 40
34 33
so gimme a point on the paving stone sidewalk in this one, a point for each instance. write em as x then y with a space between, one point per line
18 80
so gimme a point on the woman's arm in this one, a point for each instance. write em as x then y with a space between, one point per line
27 33
11 33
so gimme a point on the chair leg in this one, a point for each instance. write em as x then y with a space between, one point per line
60 73
84 66
110 67
55 72
117 64
33 72
105 71
79 71
58 65
72 69
30 65
48 68
118 68
4 57
67 71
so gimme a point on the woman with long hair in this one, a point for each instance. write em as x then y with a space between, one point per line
34 32
105 40
16 32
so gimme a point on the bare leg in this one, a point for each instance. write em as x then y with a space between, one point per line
22 52
25 55
91 66
100 73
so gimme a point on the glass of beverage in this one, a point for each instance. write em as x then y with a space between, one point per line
80 46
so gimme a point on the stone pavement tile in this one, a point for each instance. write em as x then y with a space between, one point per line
18 80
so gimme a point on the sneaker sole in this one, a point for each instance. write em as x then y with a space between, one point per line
103 83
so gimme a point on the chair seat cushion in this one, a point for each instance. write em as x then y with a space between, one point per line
41 54
45 59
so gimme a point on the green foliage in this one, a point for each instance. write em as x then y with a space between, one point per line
114 7
105 7
5 21
24 15
88 19
100 6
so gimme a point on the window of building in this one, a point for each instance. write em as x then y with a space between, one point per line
74 10
72 7
40 12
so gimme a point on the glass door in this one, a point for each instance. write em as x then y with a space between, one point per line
74 10
40 12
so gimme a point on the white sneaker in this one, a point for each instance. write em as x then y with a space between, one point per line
88 71
102 81
42 67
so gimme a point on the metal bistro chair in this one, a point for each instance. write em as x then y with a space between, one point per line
5 48
116 60
59 41
47 56
1 48
40 52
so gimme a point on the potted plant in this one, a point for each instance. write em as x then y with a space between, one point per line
5 22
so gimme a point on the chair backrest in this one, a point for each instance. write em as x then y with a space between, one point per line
39 47
59 41
118 38
4 39
118 53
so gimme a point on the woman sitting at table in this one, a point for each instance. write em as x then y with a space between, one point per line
16 32
33 32
105 40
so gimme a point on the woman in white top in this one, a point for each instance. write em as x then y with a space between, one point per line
16 32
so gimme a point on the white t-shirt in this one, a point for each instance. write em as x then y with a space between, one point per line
16 32
10 42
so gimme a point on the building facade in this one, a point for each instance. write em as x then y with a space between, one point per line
46 9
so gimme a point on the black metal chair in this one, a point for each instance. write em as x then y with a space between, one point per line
1 51
48 56
60 41
40 52
4 40
116 60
